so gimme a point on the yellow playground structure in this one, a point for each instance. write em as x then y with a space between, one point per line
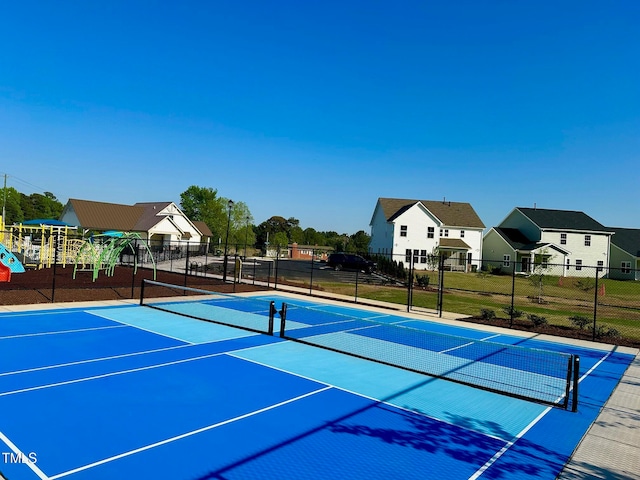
36 242
41 243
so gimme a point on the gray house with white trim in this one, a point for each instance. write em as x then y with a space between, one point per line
569 241
624 262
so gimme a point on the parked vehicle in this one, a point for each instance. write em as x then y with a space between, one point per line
348 261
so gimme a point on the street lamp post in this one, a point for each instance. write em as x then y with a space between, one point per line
226 243
246 233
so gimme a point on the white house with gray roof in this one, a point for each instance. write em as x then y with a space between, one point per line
413 230
570 243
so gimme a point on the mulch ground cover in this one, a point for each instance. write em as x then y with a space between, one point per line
48 286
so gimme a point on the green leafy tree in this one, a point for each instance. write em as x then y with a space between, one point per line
203 204
359 241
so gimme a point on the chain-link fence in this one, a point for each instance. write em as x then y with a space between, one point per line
578 300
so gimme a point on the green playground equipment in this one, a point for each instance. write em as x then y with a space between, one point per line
104 255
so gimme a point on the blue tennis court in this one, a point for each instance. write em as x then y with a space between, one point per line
135 392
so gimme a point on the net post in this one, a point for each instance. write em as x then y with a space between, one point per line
142 292
272 312
567 389
283 319
576 382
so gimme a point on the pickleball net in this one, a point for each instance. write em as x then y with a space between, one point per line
247 313
543 376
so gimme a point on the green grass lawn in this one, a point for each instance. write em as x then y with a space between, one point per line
557 300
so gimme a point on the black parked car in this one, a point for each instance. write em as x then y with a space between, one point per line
348 261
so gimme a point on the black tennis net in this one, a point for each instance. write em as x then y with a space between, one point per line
543 376
248 313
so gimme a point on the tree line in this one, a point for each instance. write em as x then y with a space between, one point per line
19 207
217 212
230 222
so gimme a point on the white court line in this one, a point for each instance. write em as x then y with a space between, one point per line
58 332
137 326
170 315
100 359
17 451
110 374
509 444
187 434
361 395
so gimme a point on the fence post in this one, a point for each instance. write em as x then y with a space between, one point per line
313 255
134 268
275 280
186 265
513 292
55 262
410 284
356 297
440 283
595 306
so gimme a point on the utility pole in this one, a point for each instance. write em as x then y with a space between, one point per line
4 200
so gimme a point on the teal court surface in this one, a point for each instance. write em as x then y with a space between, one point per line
132 392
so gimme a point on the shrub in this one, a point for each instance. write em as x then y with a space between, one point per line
537 320
512 311
487 314
586 284
606 332
580 321
422 280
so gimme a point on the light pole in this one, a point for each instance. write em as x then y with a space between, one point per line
226 243
246 233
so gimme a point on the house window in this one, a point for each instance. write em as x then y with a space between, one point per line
587 240
568 264
563 239
407 255
444 232
423 256
431 232
403 230
578 264
506 260
625 267
416 257
600 266
461 233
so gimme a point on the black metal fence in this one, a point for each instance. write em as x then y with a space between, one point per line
585 302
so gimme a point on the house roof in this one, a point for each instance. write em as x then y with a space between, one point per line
203 228
627 239
562 220
140 217
454 244
516 239
106 216
457 214
149 217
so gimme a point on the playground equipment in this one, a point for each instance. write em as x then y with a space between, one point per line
9 264
102 252
38 241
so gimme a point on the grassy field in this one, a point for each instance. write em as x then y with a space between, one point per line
557 299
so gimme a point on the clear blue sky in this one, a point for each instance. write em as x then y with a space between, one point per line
314 109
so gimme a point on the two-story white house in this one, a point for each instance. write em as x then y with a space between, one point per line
412 231
568 243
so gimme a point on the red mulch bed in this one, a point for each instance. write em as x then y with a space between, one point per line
37 286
